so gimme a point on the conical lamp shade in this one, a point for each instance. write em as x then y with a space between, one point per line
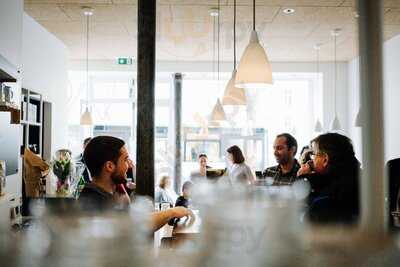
318 127
86 118
233 95
254 70
218 113
335 125
359 119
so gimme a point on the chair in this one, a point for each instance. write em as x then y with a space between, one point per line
393 172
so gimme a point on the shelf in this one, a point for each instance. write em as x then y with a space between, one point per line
13 109
31 123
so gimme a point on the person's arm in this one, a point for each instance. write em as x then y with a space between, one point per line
160 218
251 178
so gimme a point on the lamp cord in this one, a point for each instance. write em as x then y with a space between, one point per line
335 72
234 34
214 37
87 61
219 24
254 15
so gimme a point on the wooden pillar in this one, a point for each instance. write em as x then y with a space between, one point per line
373 186
177 131
145 97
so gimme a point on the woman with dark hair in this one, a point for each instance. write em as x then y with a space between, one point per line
239 172
333 175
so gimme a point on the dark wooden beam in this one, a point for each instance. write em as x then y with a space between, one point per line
177 132
145 97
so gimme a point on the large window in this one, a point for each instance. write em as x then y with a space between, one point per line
288 106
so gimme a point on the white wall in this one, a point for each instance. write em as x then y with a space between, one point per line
10 30
45 70
391 80
10 48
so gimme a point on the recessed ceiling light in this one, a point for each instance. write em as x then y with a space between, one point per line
214 12
87 11
289 10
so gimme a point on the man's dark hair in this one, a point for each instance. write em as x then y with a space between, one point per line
339 150
202 155
290 141
187 185
87 140
100 150
237 154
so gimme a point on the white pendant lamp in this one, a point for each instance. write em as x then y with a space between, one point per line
335 124
318 125
233 95
218 113
254 70
359 119
86 118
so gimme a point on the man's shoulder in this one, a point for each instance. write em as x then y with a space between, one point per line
271 171
92 191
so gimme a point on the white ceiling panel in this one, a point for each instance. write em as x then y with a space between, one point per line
185 28
392 16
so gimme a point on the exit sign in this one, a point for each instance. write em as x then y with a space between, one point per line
124 61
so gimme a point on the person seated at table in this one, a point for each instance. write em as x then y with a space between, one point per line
107 160
333 176
239 172
201 173
164 193
285 148
185 199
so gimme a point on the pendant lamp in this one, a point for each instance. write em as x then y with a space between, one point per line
233 95
254 70
335 124
218 113
86 118
359 119
318 125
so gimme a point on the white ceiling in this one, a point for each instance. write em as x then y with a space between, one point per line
185 28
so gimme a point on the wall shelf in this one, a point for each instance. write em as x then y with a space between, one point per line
13 109
32 120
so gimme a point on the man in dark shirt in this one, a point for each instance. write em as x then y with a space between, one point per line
107 159
184 199
285 173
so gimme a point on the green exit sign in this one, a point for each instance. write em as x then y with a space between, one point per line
124 61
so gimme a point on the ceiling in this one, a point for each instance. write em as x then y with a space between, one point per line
185 28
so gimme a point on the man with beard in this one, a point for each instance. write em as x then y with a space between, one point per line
285 173
107 159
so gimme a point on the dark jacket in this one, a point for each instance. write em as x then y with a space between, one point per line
335 196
